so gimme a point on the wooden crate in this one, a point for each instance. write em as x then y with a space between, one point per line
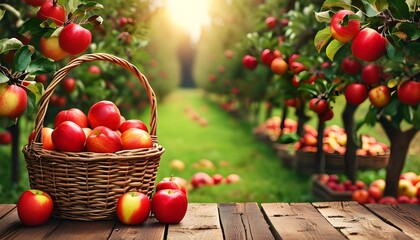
324 193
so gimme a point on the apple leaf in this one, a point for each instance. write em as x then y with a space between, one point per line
41 65
399 9
381 4
416 118
370 9
370 118
288 138
7 44
3 78
333 48
392 107
323 16
6 122
2 12
37 89
22 58
34 26
321 38
345 4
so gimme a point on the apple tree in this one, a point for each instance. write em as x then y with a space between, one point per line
388 37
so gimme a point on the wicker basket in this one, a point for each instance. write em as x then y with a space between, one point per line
85 185
335 162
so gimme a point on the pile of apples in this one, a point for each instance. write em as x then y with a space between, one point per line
5 137
408 191
335 140
102 130
333 182
271 127
201 179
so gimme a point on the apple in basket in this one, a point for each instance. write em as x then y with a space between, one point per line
68 136
104 113
135 138
34 207
133 208
103 140
73 114
132 123
169 206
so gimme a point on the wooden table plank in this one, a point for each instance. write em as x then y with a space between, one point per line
406 217
243 221
150 230
298 221
69 229
12 228
200 222
5 209
356 222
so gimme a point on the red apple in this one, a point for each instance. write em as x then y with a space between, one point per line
279 66
375 192
380 183
351 66
249 62
271 22
103 140
408 92
135 138
74 38
34 207
356 93
53 11
169 206
200 179
379 96
388 200
368 45
133 208
297 67
372 74
73 114
326 116
47 142
218 178
267 56
68 136
171 183
58 101
403 199
50 48
93 69
5 137
69 84
232 178
228 54
293 58
104 113
344 26
410 176
181 182
13 100
42 78
361 196
318 105
132 123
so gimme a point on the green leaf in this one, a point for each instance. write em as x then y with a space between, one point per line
399 9
3 79
323 16
2 12
392 107
288 138
37 89
309 88
22 58
416 118
321 38
370 9
370 118
333 48
345 4
41 65
7 44
33 25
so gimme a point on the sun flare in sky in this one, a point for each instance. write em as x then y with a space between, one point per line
189 14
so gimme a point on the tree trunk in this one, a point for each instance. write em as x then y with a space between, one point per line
302 119
15 131
320 155
283 118
400 142
350 157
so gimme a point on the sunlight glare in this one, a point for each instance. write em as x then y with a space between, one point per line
190 15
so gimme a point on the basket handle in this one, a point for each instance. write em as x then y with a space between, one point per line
61 73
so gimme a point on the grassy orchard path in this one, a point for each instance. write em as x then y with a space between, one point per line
229 144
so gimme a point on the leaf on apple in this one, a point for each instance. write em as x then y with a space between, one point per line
333 48
322 37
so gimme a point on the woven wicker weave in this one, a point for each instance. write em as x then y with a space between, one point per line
85 185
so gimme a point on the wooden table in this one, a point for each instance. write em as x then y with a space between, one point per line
319 220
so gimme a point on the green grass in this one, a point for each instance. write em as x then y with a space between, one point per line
226 141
